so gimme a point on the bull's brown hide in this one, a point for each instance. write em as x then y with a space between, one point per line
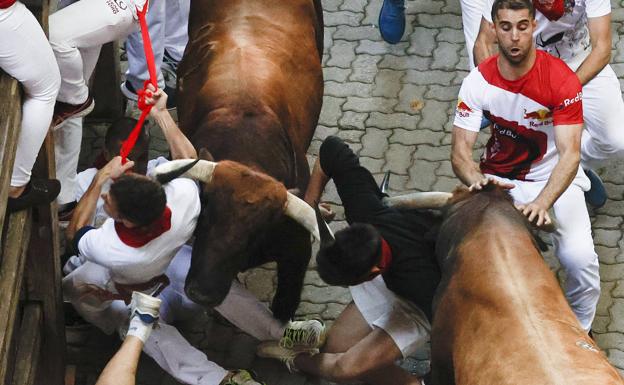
500 316
246 196
250 89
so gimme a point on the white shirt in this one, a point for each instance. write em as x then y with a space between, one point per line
523 112
130 265
574 45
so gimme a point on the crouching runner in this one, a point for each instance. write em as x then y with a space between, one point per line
386 257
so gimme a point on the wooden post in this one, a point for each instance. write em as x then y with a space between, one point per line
29 346
11 112
43 278
11 274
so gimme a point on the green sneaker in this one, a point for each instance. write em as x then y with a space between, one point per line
304 335
243 377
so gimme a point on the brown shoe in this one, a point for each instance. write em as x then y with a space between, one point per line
64 111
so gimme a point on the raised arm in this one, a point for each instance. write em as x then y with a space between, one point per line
84 211
568 142
600 55
485 45
179 145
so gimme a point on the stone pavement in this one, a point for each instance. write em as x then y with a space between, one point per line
394 105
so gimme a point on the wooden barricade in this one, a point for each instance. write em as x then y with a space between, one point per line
32 334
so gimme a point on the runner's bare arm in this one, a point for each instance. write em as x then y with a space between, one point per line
568 142
121 369
179 145
316 185
84 211
600 55
485 45
462 144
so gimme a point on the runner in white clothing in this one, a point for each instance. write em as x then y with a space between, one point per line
535 104
579 33
167 346
26 55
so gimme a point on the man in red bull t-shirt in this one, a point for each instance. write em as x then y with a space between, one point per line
534 102
579 33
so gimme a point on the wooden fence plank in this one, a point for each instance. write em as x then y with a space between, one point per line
11 112
11 276
29 345
43 274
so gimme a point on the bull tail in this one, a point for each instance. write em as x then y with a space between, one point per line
171 175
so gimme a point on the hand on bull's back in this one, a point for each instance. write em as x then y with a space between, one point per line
536 213
478 185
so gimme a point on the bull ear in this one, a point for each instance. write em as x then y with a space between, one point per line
197 169
300 211
327 237
420 200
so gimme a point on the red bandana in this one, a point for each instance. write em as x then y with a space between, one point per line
386 256
139 236
552 9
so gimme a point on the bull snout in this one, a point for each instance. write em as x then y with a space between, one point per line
209 297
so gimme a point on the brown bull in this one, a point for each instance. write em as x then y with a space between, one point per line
500 317
250 90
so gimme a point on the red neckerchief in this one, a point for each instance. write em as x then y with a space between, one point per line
553 12
139 236
386 256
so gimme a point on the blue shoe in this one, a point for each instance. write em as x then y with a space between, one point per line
485 122
597 195
392 20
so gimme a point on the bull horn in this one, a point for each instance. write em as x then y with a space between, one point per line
300 211
419 200
196 169
327 237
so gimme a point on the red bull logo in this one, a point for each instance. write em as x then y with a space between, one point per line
541 115
461 106
462 109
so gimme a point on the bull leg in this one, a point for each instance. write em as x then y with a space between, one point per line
292 263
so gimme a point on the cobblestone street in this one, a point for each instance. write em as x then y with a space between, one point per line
394 105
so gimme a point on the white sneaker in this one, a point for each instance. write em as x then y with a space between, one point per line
304 335
272 349
146 307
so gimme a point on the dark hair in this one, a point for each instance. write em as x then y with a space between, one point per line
354 253
139 199
514 5
118 132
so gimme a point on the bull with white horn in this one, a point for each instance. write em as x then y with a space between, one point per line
241 209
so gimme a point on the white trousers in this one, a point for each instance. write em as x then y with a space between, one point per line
26 55
404 322
574 246
168 25
603 111
67 142
77 33
472 12
166 345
